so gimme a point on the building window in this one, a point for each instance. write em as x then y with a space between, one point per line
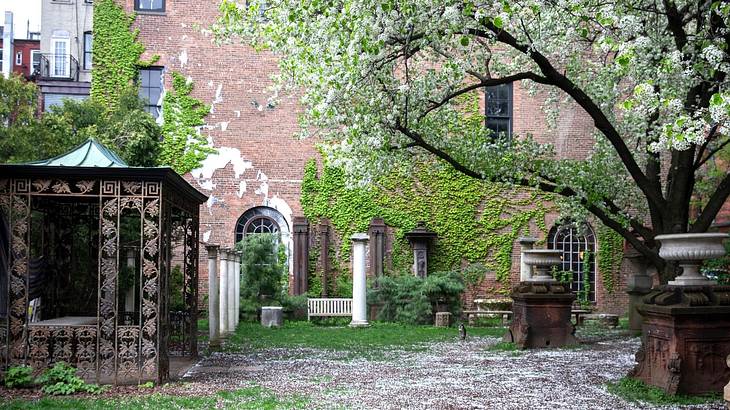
578 244
261 219
1 59
149 5
498 109
88 39
19 58
35 59
150 89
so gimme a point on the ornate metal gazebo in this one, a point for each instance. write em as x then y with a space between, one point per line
92 255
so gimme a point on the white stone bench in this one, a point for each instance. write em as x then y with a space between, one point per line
329 307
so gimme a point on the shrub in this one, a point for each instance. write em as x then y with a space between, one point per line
61 379
408 299
19 376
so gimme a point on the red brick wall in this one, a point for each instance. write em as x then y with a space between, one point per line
24 47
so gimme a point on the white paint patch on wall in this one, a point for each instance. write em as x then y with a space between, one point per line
183 58
206 184
264 186
212 200
206 236
219 160
241 189
224 125
218 94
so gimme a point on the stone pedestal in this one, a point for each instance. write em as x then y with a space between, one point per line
686 339
443 319
541 316
638 285
359 283
213 301
271 316
526 243
223 291
727 388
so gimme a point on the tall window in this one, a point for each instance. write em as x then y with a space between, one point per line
88 39
19 58
499 110
149 5
35 59
150 89
60 58
578 244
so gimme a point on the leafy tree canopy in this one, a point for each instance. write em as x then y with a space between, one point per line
390 82
127 129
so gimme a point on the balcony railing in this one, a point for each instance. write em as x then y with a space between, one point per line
58 67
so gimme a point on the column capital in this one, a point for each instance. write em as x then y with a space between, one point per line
360 237
527 241
212 251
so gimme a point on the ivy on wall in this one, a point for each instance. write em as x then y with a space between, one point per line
610 255
116 53
476 221
183 147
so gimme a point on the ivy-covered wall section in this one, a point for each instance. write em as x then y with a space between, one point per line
476 222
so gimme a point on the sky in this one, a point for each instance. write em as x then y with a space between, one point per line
23 11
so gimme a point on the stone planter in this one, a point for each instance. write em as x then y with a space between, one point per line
542 260
690 249
271 316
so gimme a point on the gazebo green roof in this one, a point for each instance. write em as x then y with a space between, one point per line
90 153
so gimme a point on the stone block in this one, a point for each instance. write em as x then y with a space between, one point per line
272 316
443 319
601 319
541 316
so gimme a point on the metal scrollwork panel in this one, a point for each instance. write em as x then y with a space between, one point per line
86 351
18 293
191 284
39 338
4 213
108 271
62 344
128 351
150 287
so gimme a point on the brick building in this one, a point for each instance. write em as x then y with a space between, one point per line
254 180
26 57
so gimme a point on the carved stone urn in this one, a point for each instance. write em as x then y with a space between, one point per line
542 260
690 249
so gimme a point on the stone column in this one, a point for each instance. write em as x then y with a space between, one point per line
359 301
301 255
223 291
324 252
526 243
377 246
213 301
232 290
237 274
638 285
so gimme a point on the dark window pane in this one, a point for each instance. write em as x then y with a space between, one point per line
150 5
498 109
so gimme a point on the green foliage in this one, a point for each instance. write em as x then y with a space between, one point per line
61 379
610 255
719 268
475 221
128 130
183 147
177 302
504 347
411 300
264 274
19 376
637 391
147 385
116 54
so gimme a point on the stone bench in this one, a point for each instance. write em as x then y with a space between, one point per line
329 307
505 315
579 315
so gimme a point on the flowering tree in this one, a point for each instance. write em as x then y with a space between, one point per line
388 82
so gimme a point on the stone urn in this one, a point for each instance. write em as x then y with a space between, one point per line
542 260
690 249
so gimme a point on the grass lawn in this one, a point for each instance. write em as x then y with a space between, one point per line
253 397
365 342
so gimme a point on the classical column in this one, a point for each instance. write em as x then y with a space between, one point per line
638 285
213 301
223 291
377 246
526 243
301 255
232 291
237 270
359 305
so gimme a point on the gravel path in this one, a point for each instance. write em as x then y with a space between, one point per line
449 375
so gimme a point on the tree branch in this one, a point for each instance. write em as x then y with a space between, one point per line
713 206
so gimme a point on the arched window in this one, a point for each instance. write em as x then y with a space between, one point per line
260 220
578 244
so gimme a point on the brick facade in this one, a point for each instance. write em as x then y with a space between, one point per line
260 163
25 48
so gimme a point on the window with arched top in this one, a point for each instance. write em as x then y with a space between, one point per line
578 245
260 220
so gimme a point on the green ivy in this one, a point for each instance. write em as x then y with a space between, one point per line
610 255
116 53
475 221
183 147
